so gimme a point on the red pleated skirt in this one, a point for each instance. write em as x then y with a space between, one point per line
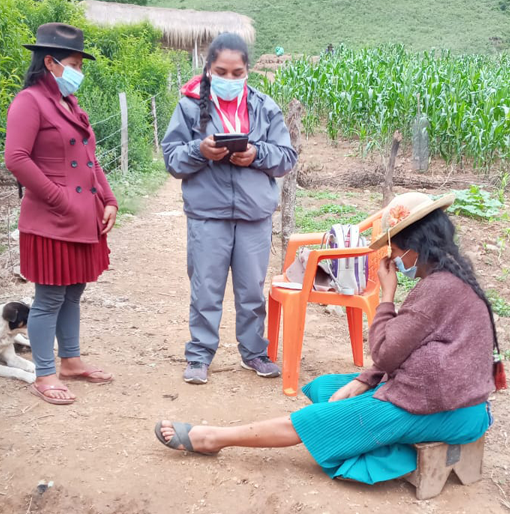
61 263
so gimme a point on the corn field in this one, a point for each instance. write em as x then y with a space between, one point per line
368 94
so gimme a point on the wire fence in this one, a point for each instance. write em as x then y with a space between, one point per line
104 157
116 132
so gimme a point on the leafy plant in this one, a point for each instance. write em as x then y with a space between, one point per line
129 59
13 58
405 282
499 305
505 179
476 203
369 93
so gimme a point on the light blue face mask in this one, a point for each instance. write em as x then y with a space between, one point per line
408 272
227 89
70 80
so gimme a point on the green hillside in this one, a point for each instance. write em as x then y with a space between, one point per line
464 26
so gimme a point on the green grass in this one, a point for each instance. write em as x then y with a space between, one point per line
303 26
499 305
321 219
318 195
131 188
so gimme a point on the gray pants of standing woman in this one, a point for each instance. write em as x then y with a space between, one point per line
55 311
214 248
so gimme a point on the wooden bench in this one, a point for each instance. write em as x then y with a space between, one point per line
435 462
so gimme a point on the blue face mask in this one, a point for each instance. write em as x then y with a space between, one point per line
227 89
70 80
408 272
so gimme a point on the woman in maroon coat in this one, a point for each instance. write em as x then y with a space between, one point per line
68 207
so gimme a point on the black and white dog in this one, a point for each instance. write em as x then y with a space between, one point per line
13 323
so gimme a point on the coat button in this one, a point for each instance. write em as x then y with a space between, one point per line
93 190
74 164
78 189
85 141
90 164
73 141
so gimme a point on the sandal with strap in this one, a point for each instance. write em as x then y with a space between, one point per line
181 437
87 377
41 389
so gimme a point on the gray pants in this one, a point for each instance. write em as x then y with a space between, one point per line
55 311
214 246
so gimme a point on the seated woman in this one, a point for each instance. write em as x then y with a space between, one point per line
432 372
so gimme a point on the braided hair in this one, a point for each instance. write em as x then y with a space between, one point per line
432 238
225 41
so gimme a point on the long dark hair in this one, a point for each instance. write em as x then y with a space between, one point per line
432 238
225 41
37 68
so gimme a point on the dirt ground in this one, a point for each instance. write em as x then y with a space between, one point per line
101 452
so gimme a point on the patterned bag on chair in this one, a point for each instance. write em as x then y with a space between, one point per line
348 276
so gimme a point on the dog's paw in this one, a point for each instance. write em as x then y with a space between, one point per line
20 374
22 340
29 367
29 378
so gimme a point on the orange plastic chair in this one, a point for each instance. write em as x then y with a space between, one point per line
294 302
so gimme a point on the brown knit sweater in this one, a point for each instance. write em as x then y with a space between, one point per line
436 352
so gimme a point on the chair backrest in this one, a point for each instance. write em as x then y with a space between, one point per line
375 257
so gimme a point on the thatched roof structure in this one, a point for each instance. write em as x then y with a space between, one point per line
182 28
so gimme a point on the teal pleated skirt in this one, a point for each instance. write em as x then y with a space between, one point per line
370 440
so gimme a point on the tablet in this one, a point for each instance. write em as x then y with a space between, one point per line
234 142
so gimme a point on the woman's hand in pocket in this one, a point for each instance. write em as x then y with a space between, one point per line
61 202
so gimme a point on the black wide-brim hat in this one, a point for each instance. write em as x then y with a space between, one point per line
60 36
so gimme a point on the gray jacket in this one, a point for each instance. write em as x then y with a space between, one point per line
224 191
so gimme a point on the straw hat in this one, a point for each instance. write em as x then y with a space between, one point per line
406 209
59 36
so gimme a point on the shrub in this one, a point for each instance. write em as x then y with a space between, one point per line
129 59
136 2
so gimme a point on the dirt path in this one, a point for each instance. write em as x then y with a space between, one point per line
101 452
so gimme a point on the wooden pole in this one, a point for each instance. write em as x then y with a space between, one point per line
155 116
288 196
123 132
388 178
196 56
179 80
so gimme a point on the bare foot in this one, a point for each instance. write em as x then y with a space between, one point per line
52 380
202 438
74 367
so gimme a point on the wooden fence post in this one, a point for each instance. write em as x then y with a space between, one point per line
155 116
123 132
288 204
195 57
388 178
179 80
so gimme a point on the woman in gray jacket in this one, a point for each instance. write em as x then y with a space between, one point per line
228 200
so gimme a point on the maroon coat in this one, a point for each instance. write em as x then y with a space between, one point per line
51 151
